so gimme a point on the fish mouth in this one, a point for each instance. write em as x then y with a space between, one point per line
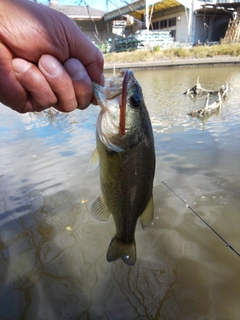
115 88
122 119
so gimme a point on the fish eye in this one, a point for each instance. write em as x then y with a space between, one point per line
135 101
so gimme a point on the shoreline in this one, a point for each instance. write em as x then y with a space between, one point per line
173 63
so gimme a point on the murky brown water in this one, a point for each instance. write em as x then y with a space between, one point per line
52 252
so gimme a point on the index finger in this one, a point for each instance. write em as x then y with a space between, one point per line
84 50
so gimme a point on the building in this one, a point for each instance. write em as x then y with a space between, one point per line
89 20
188 21
165 15
210 22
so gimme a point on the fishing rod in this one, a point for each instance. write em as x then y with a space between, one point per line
191 209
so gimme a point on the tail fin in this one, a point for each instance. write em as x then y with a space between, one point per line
119 249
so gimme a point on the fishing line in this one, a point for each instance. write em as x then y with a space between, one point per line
191 209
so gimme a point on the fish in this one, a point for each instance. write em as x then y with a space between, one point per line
126 154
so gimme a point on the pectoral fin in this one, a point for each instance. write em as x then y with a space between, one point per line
94 161
147 215
99 211
145 139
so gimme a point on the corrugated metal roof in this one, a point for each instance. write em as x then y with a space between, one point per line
131 7
79 12
228 4
137 8
166 4
158 6
214 9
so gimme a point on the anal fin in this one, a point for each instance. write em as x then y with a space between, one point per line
99 210
147 215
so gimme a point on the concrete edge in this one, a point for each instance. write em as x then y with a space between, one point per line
174 63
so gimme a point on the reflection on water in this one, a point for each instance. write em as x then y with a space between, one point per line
53 253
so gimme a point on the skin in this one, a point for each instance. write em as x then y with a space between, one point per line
45 59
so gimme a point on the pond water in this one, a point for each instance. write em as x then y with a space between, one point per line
53 253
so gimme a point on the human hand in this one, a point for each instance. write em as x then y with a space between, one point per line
45 59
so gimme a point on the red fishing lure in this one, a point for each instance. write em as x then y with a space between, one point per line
122 124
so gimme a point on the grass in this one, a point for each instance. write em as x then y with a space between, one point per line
225 49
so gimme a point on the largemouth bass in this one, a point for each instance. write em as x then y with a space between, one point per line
125 147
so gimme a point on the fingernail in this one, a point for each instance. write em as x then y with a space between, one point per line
50 65
75 69
20 65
